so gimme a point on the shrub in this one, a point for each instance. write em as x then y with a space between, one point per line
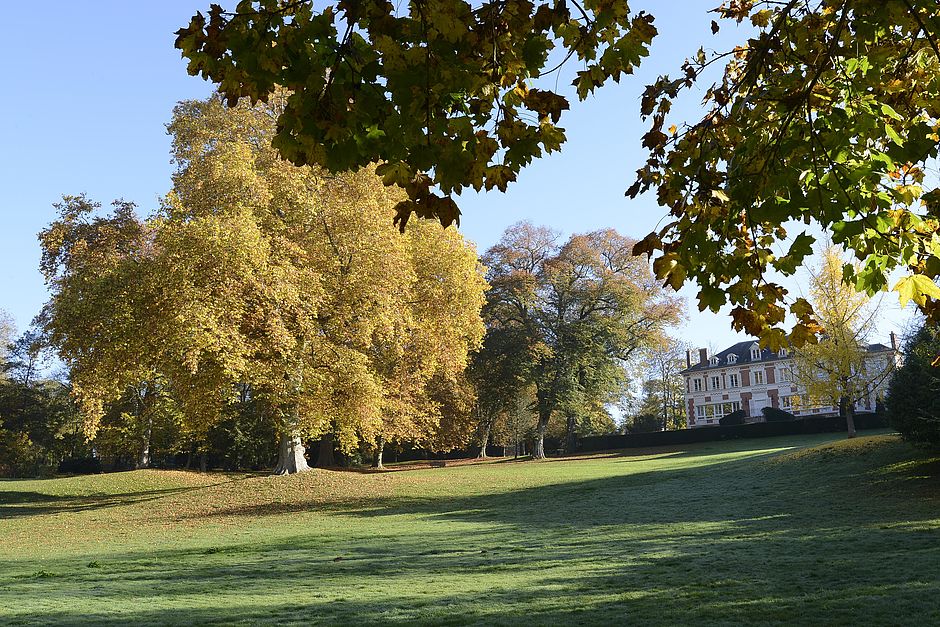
16 453
773 414
645 423
734 418
80 466
913 403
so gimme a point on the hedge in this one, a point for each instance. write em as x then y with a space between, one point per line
826 424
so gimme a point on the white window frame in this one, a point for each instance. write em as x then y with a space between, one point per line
717 410
716 382
696 385
757 377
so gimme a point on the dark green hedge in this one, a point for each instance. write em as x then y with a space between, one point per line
828 424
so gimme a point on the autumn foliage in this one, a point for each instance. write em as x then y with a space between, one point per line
257 273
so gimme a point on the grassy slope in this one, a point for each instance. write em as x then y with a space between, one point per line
763 530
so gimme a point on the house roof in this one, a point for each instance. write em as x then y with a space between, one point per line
742 350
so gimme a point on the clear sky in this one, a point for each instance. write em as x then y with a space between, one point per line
90 86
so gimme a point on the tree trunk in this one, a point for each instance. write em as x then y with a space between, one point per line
143 457
290 456
203 462
377 456
850 418
325 457
571 436
538 452
485 439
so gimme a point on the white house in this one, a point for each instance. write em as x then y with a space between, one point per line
744 376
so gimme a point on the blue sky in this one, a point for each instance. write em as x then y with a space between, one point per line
90 86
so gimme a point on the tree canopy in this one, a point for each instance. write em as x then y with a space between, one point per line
565 318
828 117
264 280
438 91
838 370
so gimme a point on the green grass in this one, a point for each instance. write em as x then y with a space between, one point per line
775 531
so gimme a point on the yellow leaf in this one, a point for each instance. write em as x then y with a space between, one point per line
917 288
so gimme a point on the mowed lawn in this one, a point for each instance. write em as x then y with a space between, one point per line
792 530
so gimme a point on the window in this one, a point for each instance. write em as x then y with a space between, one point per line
785 375
716 383
782 352
717 410
732 359
786 402
733 380
755 352
758 377
713 361
697 385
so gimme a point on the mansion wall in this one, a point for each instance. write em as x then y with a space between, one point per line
749 378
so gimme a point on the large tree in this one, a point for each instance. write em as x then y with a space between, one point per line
573 314
103 301
827 116
258 274
352 320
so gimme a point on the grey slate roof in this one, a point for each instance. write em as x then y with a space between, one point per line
743 352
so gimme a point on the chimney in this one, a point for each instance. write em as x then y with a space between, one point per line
703 356
688 358
894 341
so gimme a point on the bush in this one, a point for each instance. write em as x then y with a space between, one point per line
645 423
913 403
773 414
734 418
80 466
16 453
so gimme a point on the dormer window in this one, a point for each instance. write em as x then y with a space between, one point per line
755 352
782 352
732 359
713 361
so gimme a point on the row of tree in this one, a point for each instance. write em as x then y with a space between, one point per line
267 285
269 302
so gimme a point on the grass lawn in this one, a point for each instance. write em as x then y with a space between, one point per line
811 529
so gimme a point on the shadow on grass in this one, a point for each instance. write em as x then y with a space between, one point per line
757 540
16 504
764 569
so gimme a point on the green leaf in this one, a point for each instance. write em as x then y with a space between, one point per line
891 113
394 173
893 135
